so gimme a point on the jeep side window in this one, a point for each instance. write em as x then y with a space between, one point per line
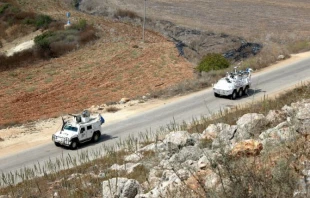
82 130
89 127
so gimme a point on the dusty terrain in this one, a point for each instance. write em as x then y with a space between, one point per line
256 20
115 66
119 65
18 138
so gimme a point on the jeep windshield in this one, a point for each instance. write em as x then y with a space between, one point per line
70 128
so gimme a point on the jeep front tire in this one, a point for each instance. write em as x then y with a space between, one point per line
74 144
96 137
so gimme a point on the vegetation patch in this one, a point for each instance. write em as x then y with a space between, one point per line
213 61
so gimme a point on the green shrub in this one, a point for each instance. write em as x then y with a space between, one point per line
81 25
76 3
42 21
211 62
44 40
4 7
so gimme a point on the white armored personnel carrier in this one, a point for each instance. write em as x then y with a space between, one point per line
235 84
83 128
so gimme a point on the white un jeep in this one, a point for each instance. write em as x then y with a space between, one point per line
235 84
83 128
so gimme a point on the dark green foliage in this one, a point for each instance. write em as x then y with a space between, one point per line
42 21
211 62
44 40
4 7
76 3
81 25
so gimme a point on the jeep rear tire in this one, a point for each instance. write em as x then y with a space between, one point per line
246 91
240 92
233 95
96 137
74 144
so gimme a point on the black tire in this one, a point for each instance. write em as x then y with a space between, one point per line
216 94
57 144
96 137
233 95
74 145
246 91
240 92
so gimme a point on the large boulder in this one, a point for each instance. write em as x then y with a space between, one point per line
120 187
250 126
275 116
186 153
202 181
179 138
282 132
213 130
170 183
303 117
225 138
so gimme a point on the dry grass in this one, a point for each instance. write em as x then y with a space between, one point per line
276 168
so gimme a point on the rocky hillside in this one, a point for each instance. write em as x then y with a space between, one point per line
260 156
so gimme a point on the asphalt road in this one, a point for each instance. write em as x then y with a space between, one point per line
267 82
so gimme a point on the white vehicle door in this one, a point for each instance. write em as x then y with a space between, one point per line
82 134
89 131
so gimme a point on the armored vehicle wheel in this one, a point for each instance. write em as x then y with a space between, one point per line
240 92
246 91
233 95
74 144
216 95
57 144
96 137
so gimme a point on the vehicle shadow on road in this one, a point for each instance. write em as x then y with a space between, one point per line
252 92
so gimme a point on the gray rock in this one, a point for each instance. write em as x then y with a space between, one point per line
101 175
275 116
212 180
186 153
183 174
203 162
196 137
159 146
212 131
179 138
225 138
128 167
289 111
120 187
135 157
250 126
303 117
282 132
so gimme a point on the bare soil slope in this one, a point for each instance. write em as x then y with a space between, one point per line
115 66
